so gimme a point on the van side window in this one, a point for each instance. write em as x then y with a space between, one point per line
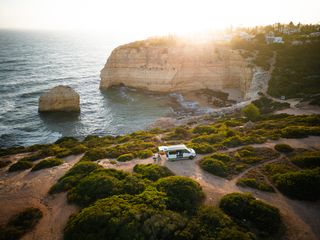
172 152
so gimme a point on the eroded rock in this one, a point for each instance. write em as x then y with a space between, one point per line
60 99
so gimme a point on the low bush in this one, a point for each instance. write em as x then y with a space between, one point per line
125 217
253 183
251 112
214 166
221 156
33 157
144 153
12 150
104 183
299 131
307 159
205 129
272 169
152 171
20 224
125 157
267 105
20 165
201 148
94 154
47 163
284 148
73 176
233 141
302 185
211 223
245 209
184 194
211 138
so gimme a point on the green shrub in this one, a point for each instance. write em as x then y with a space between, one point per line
152 171
204 129
12 150
65 140
181 133
104 183
214 166
94 154
184 194
211 223
80 148
256 213
284 148
302 185
123 217
212 138
47 163
20 165
95 186
299 131
33 157
20 224
125 157
201 148
145 153
307 159
73 176
251 112
234 141
279 167
221 156
253 183
267 105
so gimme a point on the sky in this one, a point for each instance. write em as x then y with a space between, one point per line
152 17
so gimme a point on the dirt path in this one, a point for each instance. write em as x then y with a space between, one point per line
302 218
19 190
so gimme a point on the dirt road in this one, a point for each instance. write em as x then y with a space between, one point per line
19 190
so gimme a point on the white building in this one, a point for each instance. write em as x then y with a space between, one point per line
270 38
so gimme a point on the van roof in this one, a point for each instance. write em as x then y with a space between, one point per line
172 147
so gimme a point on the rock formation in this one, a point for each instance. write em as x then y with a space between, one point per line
169 66
60 98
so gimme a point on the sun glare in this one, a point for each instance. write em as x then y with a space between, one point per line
150 17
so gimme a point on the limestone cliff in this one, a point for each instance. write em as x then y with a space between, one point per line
169 67
60 98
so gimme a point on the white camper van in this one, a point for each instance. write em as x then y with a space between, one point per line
176 152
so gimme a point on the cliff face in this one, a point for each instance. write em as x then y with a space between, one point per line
177 67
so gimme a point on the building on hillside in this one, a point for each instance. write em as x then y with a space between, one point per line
271 38
315 34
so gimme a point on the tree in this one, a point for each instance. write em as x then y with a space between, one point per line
251 112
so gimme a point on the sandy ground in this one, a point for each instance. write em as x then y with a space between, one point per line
301 218
19 190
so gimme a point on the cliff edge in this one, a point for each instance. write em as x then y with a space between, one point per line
167 65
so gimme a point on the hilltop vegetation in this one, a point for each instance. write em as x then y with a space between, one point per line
20 224
153 203
169 207
297 72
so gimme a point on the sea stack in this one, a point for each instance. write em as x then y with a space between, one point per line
60 99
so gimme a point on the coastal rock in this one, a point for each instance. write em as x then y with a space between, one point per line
60 98
166 65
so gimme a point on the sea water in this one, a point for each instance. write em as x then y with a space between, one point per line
32 62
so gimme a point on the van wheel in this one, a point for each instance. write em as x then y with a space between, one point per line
191 157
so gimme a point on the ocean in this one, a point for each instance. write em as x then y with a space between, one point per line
33 62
